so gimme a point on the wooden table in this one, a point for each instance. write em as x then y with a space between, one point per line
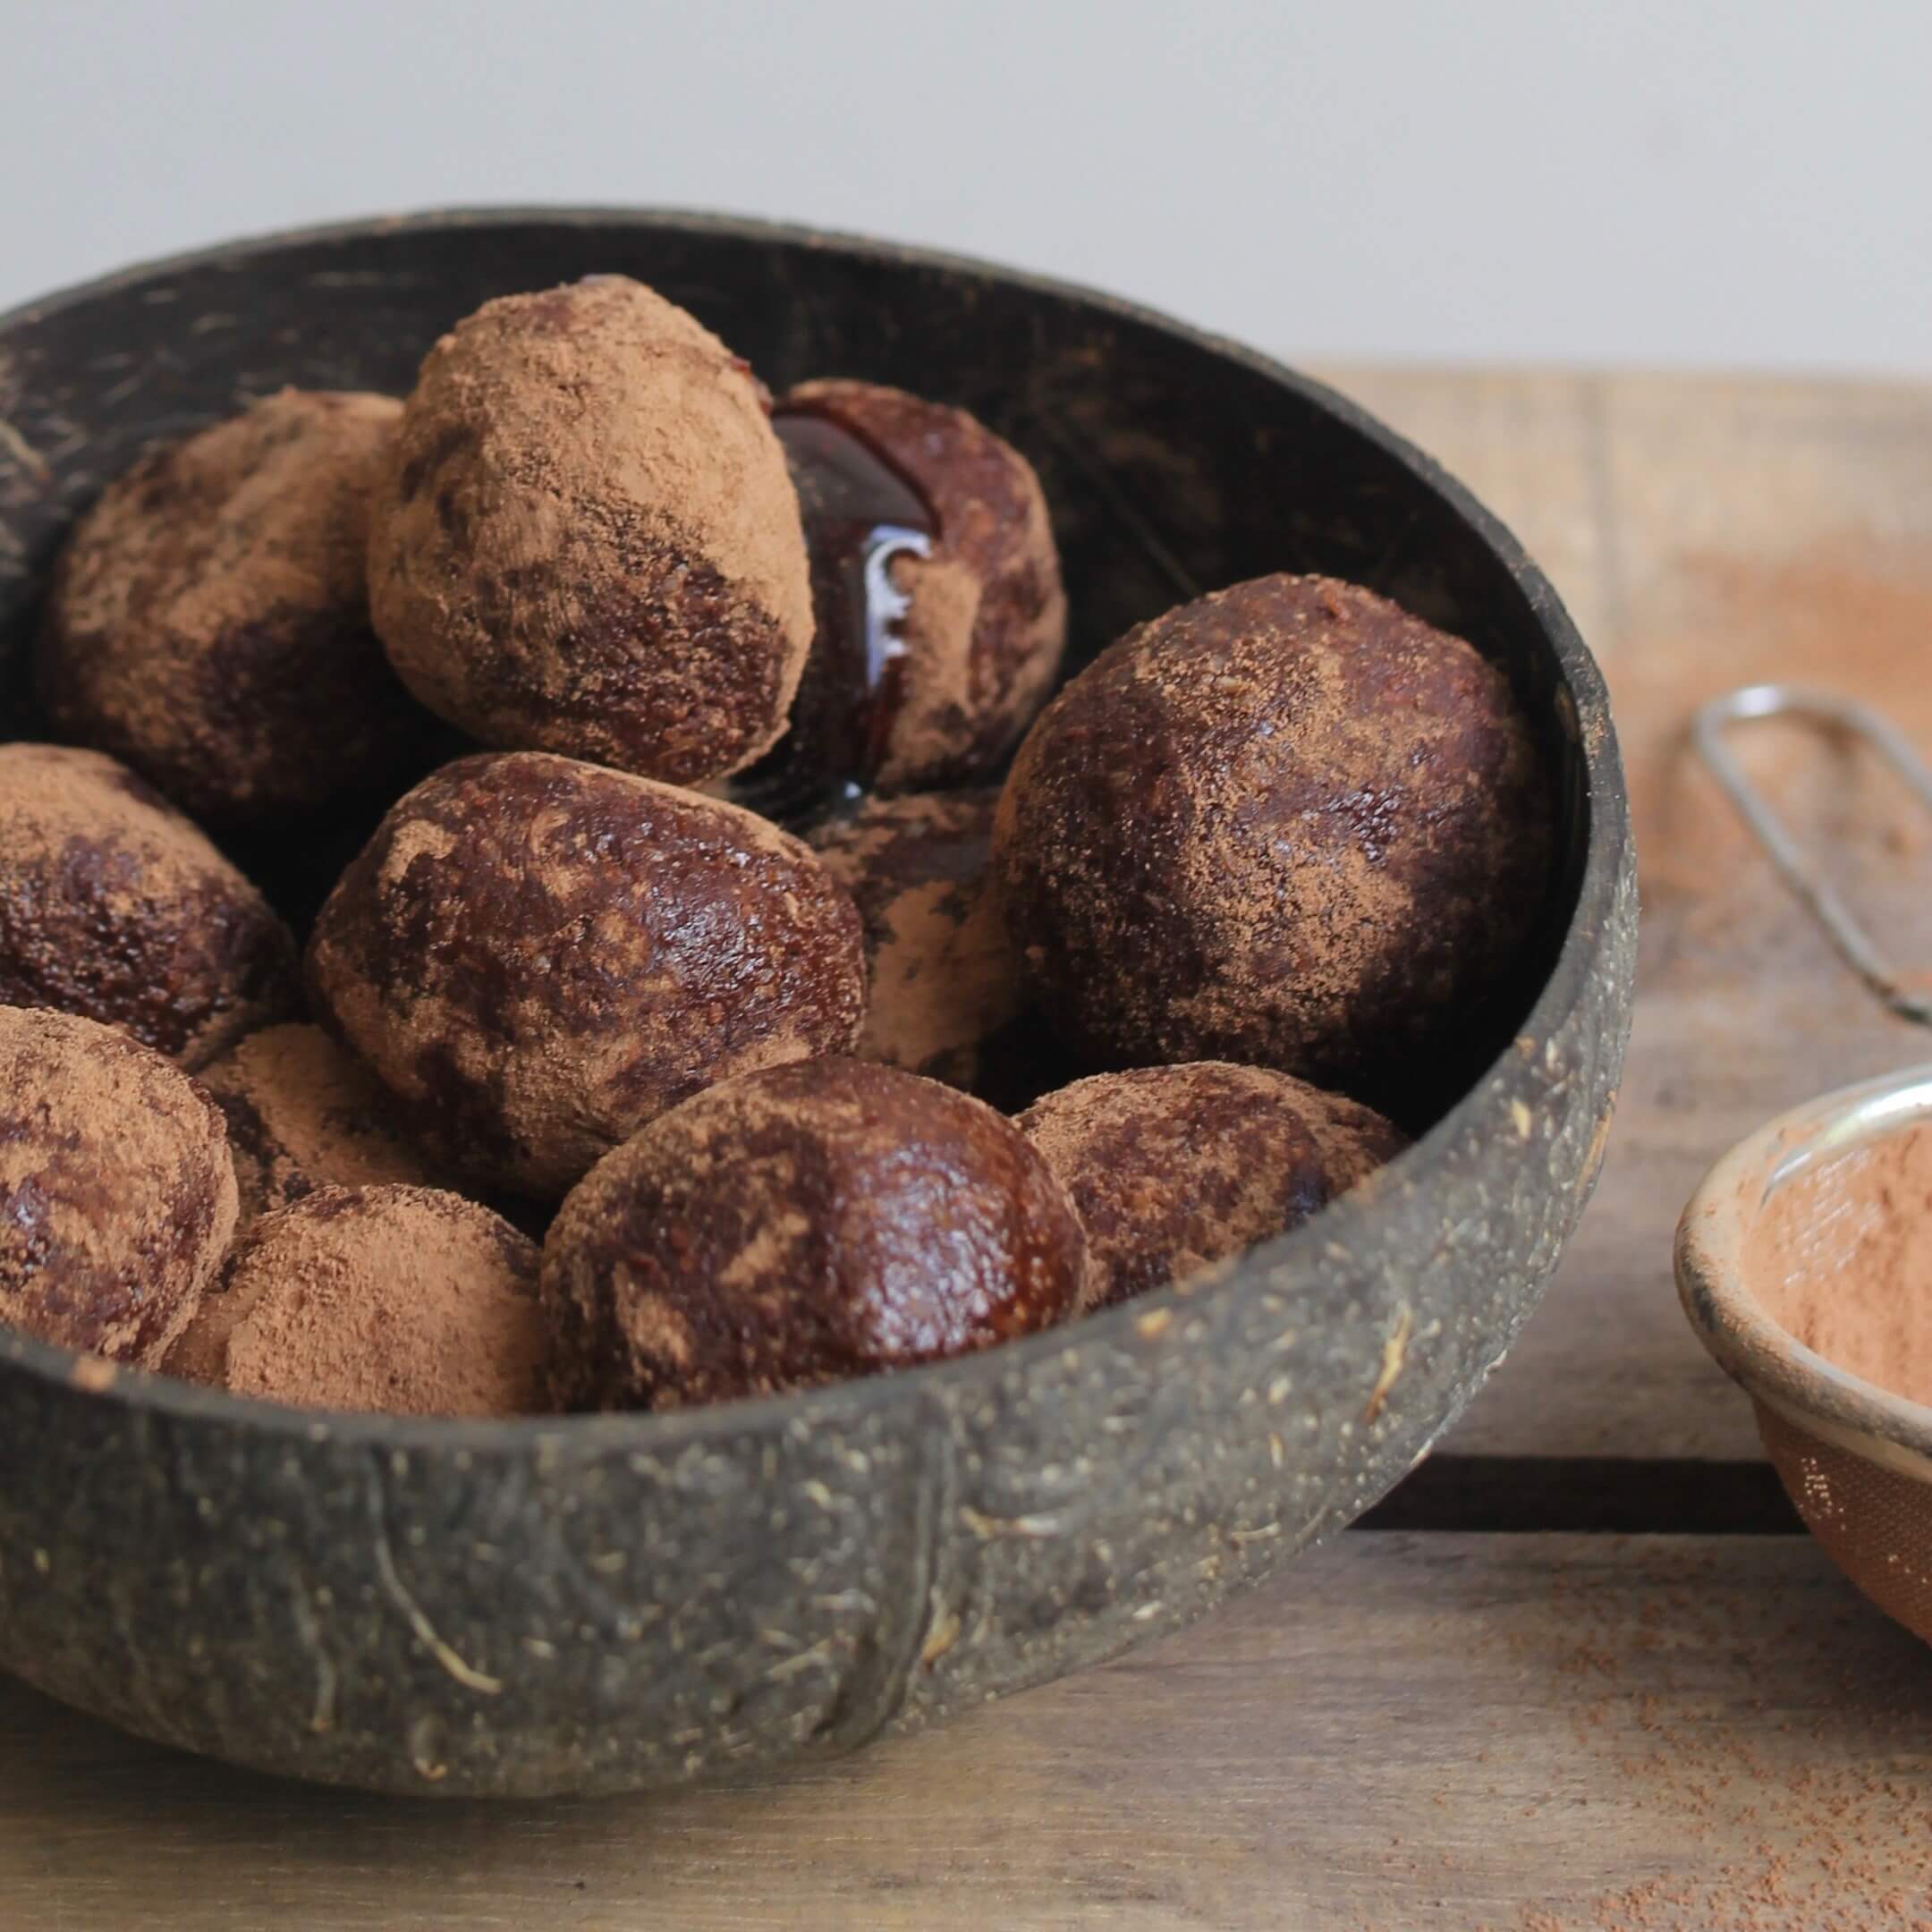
1580 1672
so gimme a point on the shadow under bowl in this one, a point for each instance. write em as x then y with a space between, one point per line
1817 1229
602 1602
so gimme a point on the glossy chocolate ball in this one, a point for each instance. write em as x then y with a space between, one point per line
940 619
536 956
798 1227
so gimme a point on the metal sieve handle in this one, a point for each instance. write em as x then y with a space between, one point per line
1708 732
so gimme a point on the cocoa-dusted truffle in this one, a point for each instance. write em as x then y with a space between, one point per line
536 956
797 1227
943 976
302 1114
1289 825
112 905
587 541
208 621
117 1199
1172 1169
940 619
402 1300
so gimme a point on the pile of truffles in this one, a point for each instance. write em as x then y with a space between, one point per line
593 1085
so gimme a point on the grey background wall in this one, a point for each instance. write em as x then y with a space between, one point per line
1489 180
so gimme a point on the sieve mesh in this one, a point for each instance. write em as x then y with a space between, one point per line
1875 1523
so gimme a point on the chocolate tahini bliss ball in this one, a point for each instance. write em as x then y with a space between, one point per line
587 542
536 956
1289 825
403 1301
940 619
117 1199
945 979
208 621
801 1226
1172 1169
302 1114
115 906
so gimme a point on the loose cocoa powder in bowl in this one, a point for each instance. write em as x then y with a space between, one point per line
1841 1259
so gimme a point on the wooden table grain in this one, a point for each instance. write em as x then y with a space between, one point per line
1445 1727
1427 1730
1707 533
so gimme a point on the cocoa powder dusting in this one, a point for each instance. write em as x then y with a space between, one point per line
115 906
945 978
586 540
117 1199
1175 1169
1288 825
402 1301
1841 1258
208 621
302 1114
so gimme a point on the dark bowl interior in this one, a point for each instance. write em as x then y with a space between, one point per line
594 1604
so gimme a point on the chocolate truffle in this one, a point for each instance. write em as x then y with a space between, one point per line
944 977
1289 825
302 1115
536 956
801 1226
939 616
1172 1169
112 905
402 1300
587 541
208 621
117 1199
